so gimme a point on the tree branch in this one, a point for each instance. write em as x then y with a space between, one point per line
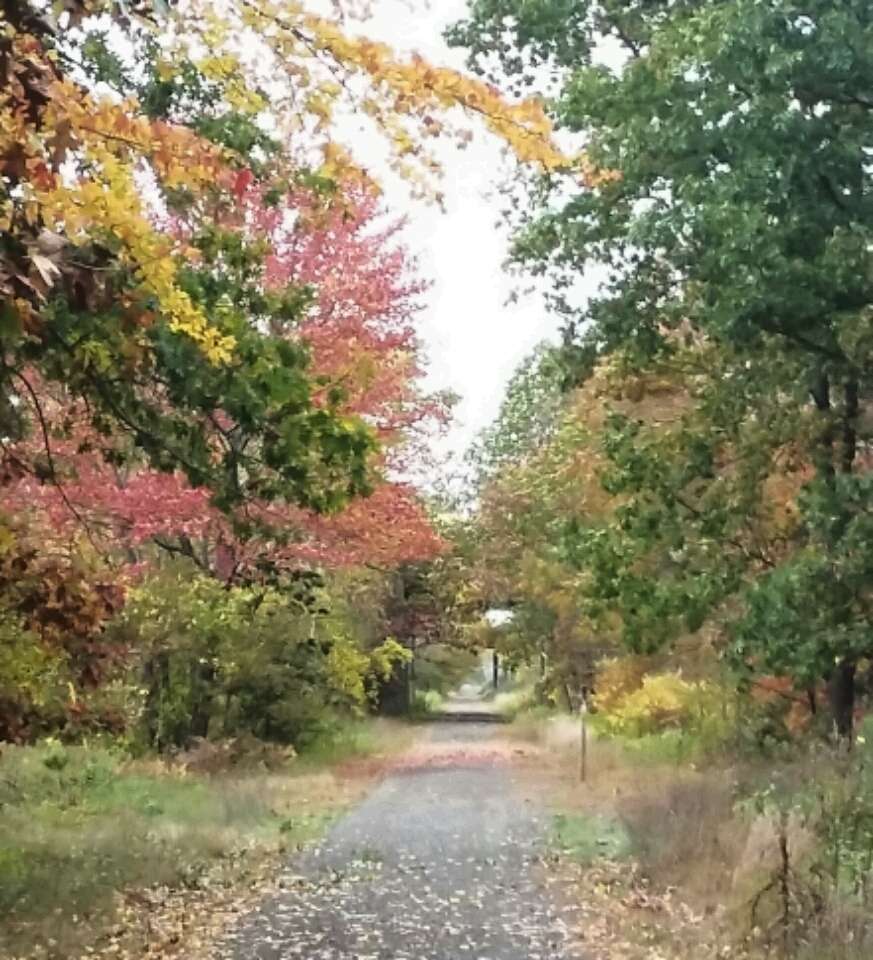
53 473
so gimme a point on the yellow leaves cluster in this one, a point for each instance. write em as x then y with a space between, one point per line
179 157
417 86
662 701
109 140
113 204
328 71
618 678
113 138
226 70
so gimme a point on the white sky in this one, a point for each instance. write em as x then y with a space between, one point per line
473 338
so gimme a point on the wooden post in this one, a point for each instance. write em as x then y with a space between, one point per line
410 678
583 742
495 669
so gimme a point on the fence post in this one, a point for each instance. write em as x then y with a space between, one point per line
583 741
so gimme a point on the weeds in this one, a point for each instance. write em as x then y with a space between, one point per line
773 854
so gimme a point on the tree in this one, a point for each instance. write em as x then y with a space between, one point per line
183 357
527 416
154 339
656 504
359 330
739 133
106 148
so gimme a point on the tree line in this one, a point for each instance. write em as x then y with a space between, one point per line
708 476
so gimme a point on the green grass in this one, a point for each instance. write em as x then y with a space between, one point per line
361 738
678 747
79 824
586 839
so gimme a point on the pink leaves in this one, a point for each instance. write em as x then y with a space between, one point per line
241 183
363 340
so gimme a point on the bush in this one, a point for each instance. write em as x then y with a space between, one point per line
424 703
617 678
54 654
218 663
665 701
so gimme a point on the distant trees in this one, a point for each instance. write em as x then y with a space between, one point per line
736 237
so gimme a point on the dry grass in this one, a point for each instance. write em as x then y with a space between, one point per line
682 822
666 897
697 858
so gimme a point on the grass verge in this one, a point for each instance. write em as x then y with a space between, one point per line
92 843
713 857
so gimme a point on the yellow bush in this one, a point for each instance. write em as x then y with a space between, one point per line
616 679
663 701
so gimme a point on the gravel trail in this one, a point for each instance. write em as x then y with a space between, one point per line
440 862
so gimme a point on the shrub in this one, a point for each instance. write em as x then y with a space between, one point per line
664 701
54 654
219 662
424 703
617 678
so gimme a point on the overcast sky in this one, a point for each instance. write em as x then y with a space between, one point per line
474 340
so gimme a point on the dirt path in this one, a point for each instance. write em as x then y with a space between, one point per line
440 862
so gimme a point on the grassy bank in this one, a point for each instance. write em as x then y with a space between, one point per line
91 841
701 853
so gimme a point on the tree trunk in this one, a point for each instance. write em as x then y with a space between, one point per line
156 674
841 692
202 681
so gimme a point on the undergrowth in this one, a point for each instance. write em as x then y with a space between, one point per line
82 826
770 849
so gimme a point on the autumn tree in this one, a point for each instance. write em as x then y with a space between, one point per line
527 416
359 328
102 142
739 132
156 339
536 473
182 356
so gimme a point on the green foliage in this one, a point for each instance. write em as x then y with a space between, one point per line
425 703
215 662
31 677
528 414
821 891
283 445
440 668
733 225
586 839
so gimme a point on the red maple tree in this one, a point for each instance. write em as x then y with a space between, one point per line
362 336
